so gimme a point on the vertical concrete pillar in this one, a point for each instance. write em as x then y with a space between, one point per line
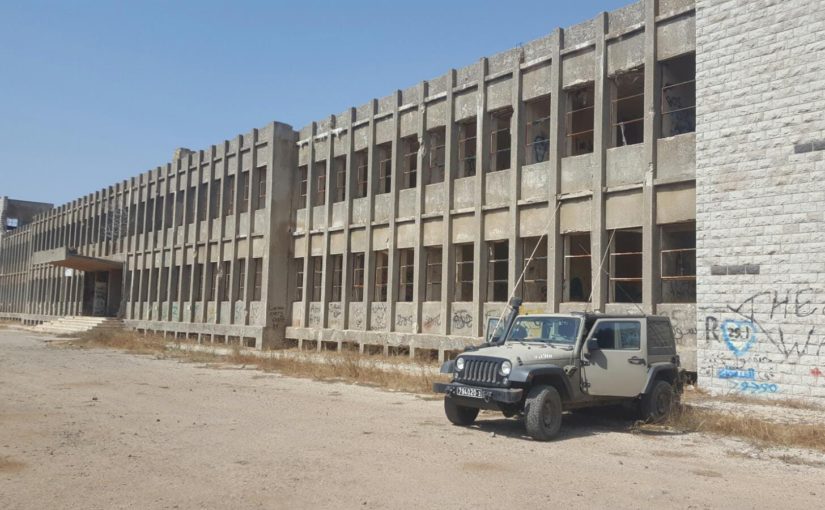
450 165
419 253
516 262
555 248
305 298
369 259
326 287
348 186
601 121
482 165
650 233
392 262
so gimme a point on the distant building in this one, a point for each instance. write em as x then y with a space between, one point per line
663 158
17 213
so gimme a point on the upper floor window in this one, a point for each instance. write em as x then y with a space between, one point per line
340 169
321 183
467 148
628 107
409 169
579 120
361 173
384 154
537 130
500 139
678 108
435 155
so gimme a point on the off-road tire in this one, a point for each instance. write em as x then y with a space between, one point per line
542 413
459 415
658 403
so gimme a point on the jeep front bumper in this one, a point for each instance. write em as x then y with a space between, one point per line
488 395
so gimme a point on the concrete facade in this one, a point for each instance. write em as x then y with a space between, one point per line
760 162
619 165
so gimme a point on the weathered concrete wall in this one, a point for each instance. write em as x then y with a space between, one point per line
760 164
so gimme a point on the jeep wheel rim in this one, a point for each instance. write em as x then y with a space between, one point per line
662 404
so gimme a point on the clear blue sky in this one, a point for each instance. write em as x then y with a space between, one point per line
93 92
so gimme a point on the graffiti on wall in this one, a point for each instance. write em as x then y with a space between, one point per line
462 319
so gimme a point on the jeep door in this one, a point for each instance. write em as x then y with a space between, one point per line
618 367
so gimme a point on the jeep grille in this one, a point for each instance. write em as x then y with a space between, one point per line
481 372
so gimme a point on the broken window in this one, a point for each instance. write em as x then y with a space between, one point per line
241 278
678 78
578 277
384 154
500 139
357 276
463 272
678 263
381 263
406 274
498 258
299 278
628 108
337 262
579 121
244 203
409 169
203 198
224 274
301 198
433 276
321 183
257 282
626 266
537 130
436 155
534 283
229 195
361 173
261 202
340 169
316 269
466 148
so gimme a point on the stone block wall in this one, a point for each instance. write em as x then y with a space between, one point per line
760 167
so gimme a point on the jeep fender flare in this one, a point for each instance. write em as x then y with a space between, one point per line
655 370
527 374
448 367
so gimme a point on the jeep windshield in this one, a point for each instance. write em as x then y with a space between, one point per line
549 330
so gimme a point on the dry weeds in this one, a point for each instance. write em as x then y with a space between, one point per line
698 394
755 430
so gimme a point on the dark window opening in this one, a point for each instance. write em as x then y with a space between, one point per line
464 272
534 283
537 130
340 165
626 267
261 202
579 120
498 258
337 262
678 78
409 176
628 108
244 203
500 139
316 268
384 154
257 284
299 278
357 276
406 274
241 278
678 263
320 183
467 148
361 173
381 264
436 155
433 276
577 268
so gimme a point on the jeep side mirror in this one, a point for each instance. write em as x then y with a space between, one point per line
592 345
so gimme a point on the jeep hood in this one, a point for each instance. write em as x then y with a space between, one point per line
526 353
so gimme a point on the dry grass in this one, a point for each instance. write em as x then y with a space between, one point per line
372 370
755 430
698 394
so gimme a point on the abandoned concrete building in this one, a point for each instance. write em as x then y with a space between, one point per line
586 170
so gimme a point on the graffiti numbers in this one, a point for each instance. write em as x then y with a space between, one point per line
752 387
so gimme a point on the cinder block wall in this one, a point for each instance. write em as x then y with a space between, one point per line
760 165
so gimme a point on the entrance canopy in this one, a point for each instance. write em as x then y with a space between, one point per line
63 257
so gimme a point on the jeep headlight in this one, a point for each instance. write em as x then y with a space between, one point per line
459 364
506 366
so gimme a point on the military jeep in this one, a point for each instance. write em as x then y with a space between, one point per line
539 366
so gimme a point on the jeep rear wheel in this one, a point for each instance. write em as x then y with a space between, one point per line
459 415
542 413
657 404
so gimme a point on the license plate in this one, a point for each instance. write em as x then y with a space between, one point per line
464 391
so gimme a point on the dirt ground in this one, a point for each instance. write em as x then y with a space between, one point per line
105 429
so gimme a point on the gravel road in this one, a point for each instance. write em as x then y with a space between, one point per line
105 429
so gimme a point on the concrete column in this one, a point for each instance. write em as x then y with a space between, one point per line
450 165
369 260
482 164
651 272
346 274
555 248
516 263
601 130
308 230
419 253
326 287
392 262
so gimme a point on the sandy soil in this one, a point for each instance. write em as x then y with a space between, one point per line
104 429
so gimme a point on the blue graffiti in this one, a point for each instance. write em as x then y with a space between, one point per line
739 336
733 373
752 387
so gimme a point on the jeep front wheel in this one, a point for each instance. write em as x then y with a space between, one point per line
459 415
542 413
657 404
